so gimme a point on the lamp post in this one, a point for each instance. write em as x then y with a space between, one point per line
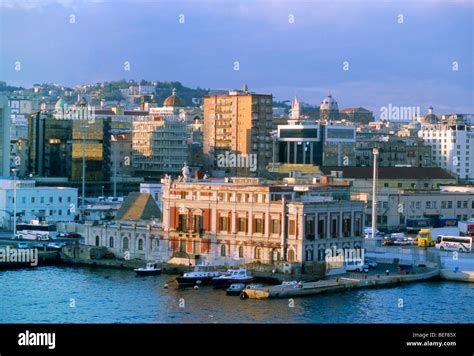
14 201
375 152
274 134
83 167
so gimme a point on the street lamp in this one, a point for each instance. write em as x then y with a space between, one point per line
375 152
14 201
83 167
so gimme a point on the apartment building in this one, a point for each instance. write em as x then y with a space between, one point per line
452 144
159 146
238 123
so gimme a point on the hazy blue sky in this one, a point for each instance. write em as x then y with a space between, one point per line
406 64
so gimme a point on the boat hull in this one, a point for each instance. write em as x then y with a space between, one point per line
148 273
192 281
226 282
234 292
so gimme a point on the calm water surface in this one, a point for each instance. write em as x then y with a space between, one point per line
45 295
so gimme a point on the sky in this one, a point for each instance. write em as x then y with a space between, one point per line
369 53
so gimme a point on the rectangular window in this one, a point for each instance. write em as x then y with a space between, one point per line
322 228
292 227
183 222
224 223
275 226
197 223
309 229
258 226
346 226
242 224
334 227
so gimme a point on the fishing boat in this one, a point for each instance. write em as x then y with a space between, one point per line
151 269
202 275
232 276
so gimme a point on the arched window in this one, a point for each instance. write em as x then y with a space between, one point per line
309 255
140 244
223 250
97 240
111 242
241 252
291 256
258 253
125 243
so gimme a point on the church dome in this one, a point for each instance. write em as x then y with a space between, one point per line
329 103
173 100
429 118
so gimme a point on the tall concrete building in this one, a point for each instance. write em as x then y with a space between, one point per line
452 144
5 122
237 132
159 146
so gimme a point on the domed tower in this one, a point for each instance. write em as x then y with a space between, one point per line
429 118
173 100
329 110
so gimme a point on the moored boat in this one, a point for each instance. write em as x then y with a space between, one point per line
232 276
151 269
201 276
235 289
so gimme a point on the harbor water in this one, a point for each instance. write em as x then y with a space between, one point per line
64 294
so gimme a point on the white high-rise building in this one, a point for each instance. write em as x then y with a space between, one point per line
159 146
452 146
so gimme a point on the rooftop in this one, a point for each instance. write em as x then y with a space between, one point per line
390 172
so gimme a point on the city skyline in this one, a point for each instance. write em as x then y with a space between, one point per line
400 54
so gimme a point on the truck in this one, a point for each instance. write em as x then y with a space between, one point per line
466 228
429 237
417 224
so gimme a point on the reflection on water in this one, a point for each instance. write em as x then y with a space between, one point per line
94 295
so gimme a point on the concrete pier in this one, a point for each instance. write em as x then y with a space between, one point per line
339 285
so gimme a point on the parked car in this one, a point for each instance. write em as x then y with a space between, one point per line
23 245
370 263
388 241
406 241
397 235
356 266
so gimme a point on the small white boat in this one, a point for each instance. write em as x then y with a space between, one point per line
151 269
239 275
235 289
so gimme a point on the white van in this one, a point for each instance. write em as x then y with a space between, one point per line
368 232
356 266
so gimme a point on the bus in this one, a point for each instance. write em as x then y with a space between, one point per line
454 243
33 235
